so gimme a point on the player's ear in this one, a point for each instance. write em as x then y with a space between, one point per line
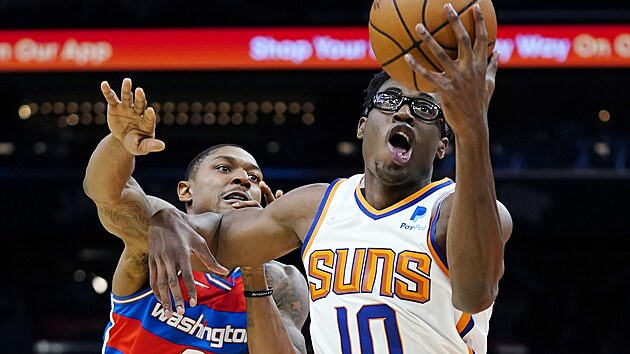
361 127
441 150
183 191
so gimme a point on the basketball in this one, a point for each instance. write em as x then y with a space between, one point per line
393 34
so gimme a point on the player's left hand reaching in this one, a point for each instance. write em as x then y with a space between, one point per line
467 83
129 119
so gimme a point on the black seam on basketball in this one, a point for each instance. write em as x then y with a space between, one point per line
429 59
387 36
402 53
439 28
415 83
402 20
424 11
417 44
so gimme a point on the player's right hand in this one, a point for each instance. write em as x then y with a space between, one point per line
129 119
172 240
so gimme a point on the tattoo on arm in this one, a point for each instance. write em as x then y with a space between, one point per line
128 220
291 298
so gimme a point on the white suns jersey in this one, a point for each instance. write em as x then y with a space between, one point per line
378 281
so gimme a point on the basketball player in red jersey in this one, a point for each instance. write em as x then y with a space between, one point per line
219 179
396 262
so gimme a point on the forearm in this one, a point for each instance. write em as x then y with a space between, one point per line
108 171
244 243
123 207
266 330
474 243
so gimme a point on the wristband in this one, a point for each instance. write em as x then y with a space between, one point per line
258 293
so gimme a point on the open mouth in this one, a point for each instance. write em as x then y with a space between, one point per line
236 196
399 142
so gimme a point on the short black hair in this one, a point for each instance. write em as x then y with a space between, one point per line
377 81
193 165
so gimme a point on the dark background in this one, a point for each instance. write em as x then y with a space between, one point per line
561 171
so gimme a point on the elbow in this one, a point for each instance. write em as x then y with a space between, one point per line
87 188
473 302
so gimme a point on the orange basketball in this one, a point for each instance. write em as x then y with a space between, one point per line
393 34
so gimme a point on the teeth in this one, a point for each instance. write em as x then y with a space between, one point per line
404 135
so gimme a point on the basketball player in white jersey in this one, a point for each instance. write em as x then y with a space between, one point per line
396 262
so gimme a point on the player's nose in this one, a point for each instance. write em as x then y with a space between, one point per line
240 177
404 115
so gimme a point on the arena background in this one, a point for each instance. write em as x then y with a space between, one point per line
559 141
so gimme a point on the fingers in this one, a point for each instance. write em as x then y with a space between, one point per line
202 251
279 193
150 118
494 64
189 283
138 144
153 278
492 72
267 192
176 290
140 102
109 94
149 145
125 92
428 75
481 33
464 51
435 48
173 285
246 204
162 289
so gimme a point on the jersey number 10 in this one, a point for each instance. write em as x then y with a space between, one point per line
367 313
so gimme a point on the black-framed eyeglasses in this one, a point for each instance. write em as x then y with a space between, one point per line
390 101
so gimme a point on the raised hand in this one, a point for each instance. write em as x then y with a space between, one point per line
129 119
467 83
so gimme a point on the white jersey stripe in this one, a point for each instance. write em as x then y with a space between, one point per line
321 213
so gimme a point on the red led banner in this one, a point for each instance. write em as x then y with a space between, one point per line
299 48
564 46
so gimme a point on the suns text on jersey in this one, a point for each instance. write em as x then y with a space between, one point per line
404 274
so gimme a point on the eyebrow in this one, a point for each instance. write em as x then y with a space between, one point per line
249 166
423 95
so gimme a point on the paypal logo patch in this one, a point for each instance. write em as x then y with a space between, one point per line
418 213
412 227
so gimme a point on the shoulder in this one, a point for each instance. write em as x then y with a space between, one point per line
297 208
313 191
287 281
290 291
280 274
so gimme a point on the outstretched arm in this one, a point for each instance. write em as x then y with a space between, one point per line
123 208
477 228
249 236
